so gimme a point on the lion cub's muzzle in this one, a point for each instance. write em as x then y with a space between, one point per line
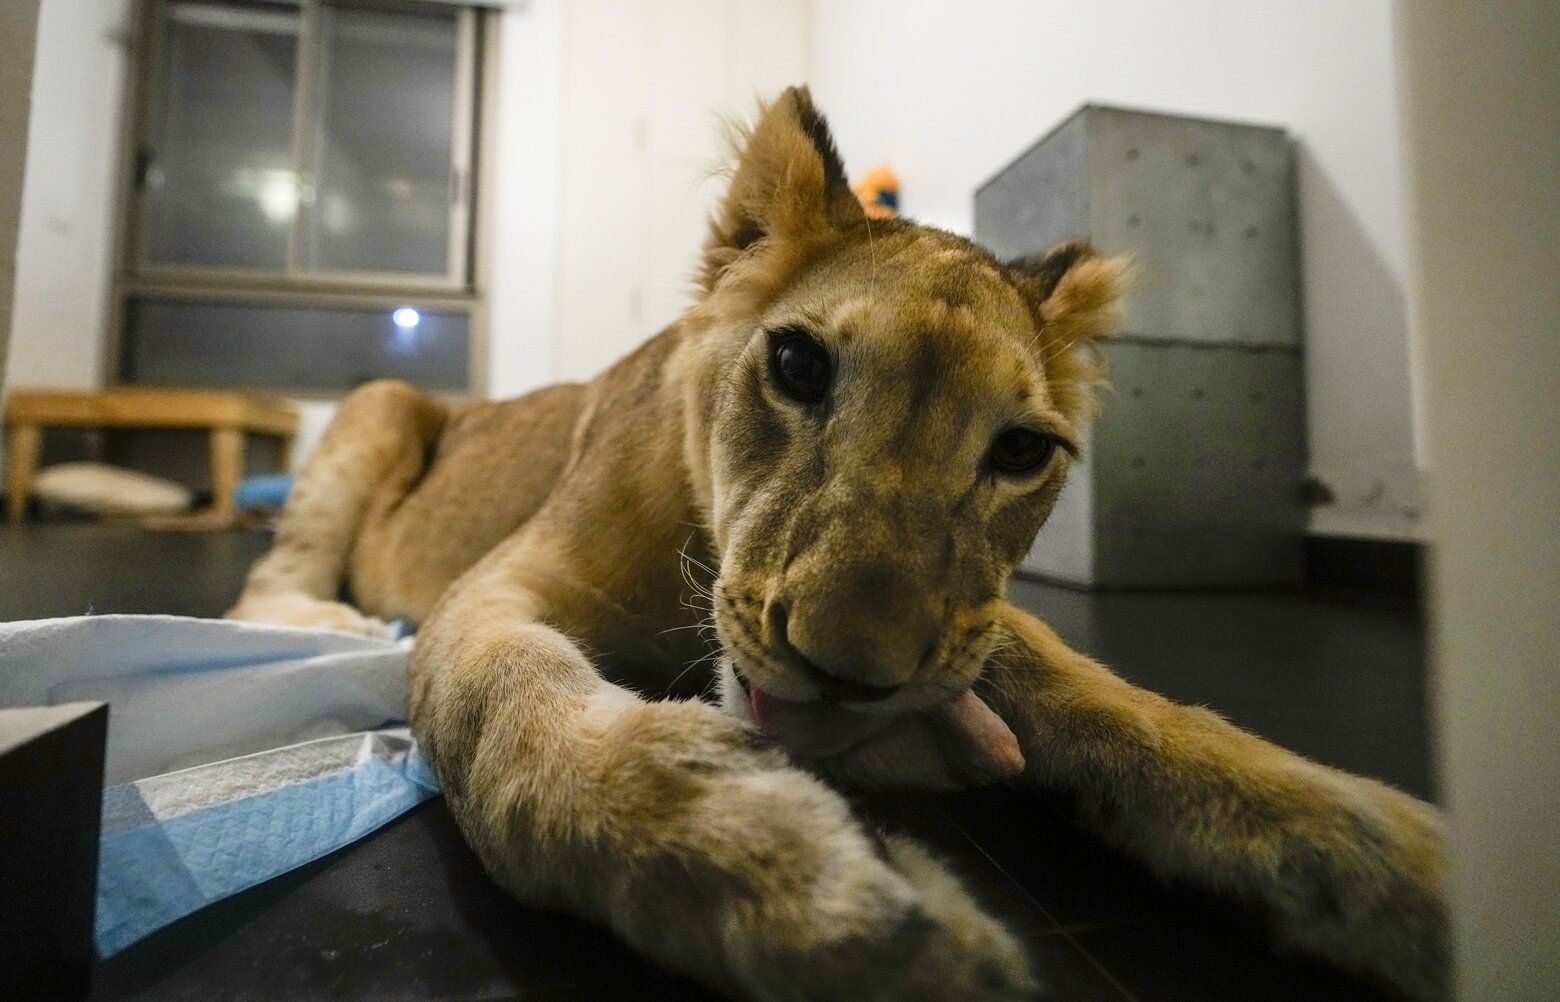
857 630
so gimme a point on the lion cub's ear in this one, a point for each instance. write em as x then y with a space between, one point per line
1077 297
788 181
1077 293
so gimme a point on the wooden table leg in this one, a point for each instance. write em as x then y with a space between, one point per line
227 466
21 464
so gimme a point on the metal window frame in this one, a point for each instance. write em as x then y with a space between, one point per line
455 290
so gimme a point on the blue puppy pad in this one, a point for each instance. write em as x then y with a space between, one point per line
173 844
303 711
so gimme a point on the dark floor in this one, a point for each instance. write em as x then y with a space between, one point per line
408 913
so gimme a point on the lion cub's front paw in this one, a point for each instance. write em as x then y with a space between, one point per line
1362 885
296 609
967 953
791 898
915 933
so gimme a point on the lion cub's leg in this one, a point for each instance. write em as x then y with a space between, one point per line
375 446
669 822
1345 867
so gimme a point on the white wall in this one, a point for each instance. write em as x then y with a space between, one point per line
645 85
1483 111
65 250
949 92
519 228
18 42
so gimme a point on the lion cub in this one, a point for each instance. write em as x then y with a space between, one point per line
846 445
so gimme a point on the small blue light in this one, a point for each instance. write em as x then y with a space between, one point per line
406 318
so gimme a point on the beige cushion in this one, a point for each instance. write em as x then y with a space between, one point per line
110 490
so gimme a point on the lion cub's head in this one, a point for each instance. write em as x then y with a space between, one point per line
881 415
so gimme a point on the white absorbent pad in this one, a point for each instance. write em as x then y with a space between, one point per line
312 717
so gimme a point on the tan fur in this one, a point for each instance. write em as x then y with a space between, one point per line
543 545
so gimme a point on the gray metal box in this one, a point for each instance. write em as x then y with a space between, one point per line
1193 475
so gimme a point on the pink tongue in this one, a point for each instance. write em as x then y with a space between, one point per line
958 744
811 730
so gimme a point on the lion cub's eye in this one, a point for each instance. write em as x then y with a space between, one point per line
1020 451
801 367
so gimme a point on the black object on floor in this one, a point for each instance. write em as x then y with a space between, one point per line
1384 566
51 795
408 912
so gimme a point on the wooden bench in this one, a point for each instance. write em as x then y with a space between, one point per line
226 417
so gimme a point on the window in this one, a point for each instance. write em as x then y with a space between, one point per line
301 199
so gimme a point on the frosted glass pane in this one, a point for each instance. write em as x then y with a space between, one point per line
386 94
175 343
221 189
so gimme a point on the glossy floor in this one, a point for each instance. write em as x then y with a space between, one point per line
408 913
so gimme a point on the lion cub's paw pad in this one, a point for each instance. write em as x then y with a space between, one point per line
309 613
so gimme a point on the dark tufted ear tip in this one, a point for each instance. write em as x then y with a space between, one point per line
1044 271
816 126
1078 292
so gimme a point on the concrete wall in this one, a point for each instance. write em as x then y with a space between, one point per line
1482 102
949 92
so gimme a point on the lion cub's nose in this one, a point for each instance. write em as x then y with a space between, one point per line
860 630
